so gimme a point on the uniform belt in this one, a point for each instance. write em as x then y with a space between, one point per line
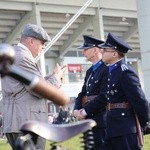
87 99
90 98
117 105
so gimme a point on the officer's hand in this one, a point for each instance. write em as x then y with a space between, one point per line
78 115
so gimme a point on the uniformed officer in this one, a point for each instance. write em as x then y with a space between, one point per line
126 101
93 83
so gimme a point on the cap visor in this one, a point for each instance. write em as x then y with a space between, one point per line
84 47
104 45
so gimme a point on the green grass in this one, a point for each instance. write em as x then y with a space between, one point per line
72 144
4 145
146 142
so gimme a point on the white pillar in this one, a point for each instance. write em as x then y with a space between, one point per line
143 11
36 19
98 24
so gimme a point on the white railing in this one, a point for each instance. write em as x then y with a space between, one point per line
69 23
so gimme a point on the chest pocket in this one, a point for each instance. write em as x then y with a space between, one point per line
38 113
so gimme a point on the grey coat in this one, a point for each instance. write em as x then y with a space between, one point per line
19 104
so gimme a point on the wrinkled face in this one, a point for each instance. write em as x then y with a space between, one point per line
36 46
108 55
89 53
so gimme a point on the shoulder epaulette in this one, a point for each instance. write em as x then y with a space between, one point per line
124 67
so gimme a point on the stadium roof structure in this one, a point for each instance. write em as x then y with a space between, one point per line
99 18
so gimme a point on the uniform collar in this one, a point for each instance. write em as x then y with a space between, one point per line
95 66
115 65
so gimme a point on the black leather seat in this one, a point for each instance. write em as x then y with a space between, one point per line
57 133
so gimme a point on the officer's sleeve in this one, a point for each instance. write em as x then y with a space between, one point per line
135 95
99 103
78 101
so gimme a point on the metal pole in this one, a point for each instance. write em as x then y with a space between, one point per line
69 23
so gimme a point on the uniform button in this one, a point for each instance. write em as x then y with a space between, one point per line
113 85
107 98
89 84
108 79
107 85
96 81
107 92
123 114
87 92
91 77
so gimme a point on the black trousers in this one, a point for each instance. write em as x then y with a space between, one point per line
126 142
12 137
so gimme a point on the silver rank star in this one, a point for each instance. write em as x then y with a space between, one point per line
112 92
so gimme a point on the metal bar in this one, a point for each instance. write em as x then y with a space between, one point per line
69 23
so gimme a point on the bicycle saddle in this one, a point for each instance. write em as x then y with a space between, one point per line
57 133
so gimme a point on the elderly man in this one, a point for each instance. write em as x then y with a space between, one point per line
94 82
19 104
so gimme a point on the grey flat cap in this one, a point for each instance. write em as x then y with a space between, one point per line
35 31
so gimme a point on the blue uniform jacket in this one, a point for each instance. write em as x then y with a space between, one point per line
93 84
123 85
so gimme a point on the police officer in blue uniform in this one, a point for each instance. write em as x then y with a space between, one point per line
127 108
93 83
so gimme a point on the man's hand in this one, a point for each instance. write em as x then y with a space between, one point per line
78 114
59 72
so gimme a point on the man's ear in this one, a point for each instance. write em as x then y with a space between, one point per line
115 54
31 40
96 49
